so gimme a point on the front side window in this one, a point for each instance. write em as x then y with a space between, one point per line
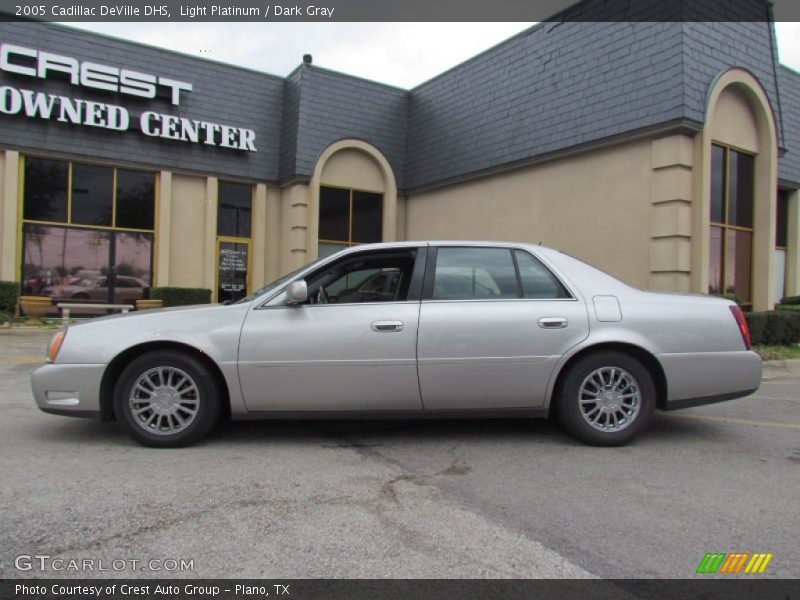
731 215
347 218
373 277
491 274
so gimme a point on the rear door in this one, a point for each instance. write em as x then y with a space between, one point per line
493 323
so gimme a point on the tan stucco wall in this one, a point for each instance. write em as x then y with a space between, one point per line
734 123
186 249
9 198
595 206
295 220
353 169
187 232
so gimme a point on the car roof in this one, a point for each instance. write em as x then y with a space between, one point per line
437 243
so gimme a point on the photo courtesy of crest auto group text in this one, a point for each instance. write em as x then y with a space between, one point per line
377 300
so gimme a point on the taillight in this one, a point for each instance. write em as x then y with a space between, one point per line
742 324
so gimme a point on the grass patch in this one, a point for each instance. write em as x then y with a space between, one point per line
777 352
788 307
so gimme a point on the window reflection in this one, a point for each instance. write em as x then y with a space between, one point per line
74 265
731 214
715 261
738 258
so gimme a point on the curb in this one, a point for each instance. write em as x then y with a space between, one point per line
781 368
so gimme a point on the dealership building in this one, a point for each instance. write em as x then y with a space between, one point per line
666 153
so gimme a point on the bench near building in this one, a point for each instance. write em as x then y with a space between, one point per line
666 153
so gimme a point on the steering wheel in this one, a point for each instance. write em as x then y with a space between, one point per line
322 295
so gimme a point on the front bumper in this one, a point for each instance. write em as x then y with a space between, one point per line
72 390
698 378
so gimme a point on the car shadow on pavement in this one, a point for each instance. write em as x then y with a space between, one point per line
664 430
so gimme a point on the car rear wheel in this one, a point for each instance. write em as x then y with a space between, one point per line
167 399
606 399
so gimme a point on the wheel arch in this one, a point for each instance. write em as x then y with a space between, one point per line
119 362
646 358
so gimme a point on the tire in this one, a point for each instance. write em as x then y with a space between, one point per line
176 403
80 296
624 406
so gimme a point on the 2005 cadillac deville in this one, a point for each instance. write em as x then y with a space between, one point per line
415 329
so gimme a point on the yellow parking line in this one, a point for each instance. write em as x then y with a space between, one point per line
739 421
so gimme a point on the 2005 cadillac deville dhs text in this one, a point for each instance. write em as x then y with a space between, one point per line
414 329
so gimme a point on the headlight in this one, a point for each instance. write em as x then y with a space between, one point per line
55 345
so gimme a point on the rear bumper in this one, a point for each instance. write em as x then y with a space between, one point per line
694 379
72 390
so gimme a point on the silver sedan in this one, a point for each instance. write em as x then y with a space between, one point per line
414 329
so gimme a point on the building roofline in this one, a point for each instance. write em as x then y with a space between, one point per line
314 67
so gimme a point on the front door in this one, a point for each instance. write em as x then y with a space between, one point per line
233 267
351 346
492 326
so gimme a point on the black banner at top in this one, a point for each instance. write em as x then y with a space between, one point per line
405 10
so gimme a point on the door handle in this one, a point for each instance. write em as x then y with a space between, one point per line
553 322
387 326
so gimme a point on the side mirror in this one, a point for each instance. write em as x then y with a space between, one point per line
297 292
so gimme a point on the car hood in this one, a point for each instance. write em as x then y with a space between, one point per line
147 315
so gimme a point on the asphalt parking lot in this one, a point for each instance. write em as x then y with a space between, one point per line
399 499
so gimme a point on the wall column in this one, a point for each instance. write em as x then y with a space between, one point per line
671 214
259 235
295 251
793 246
9 217
272 263
164 225
210 235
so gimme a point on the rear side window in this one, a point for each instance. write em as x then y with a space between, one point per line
474 274
537 281
492 274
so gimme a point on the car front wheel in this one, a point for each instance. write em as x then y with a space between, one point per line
167 399
606 399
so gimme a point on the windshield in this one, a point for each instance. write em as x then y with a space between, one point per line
278 282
